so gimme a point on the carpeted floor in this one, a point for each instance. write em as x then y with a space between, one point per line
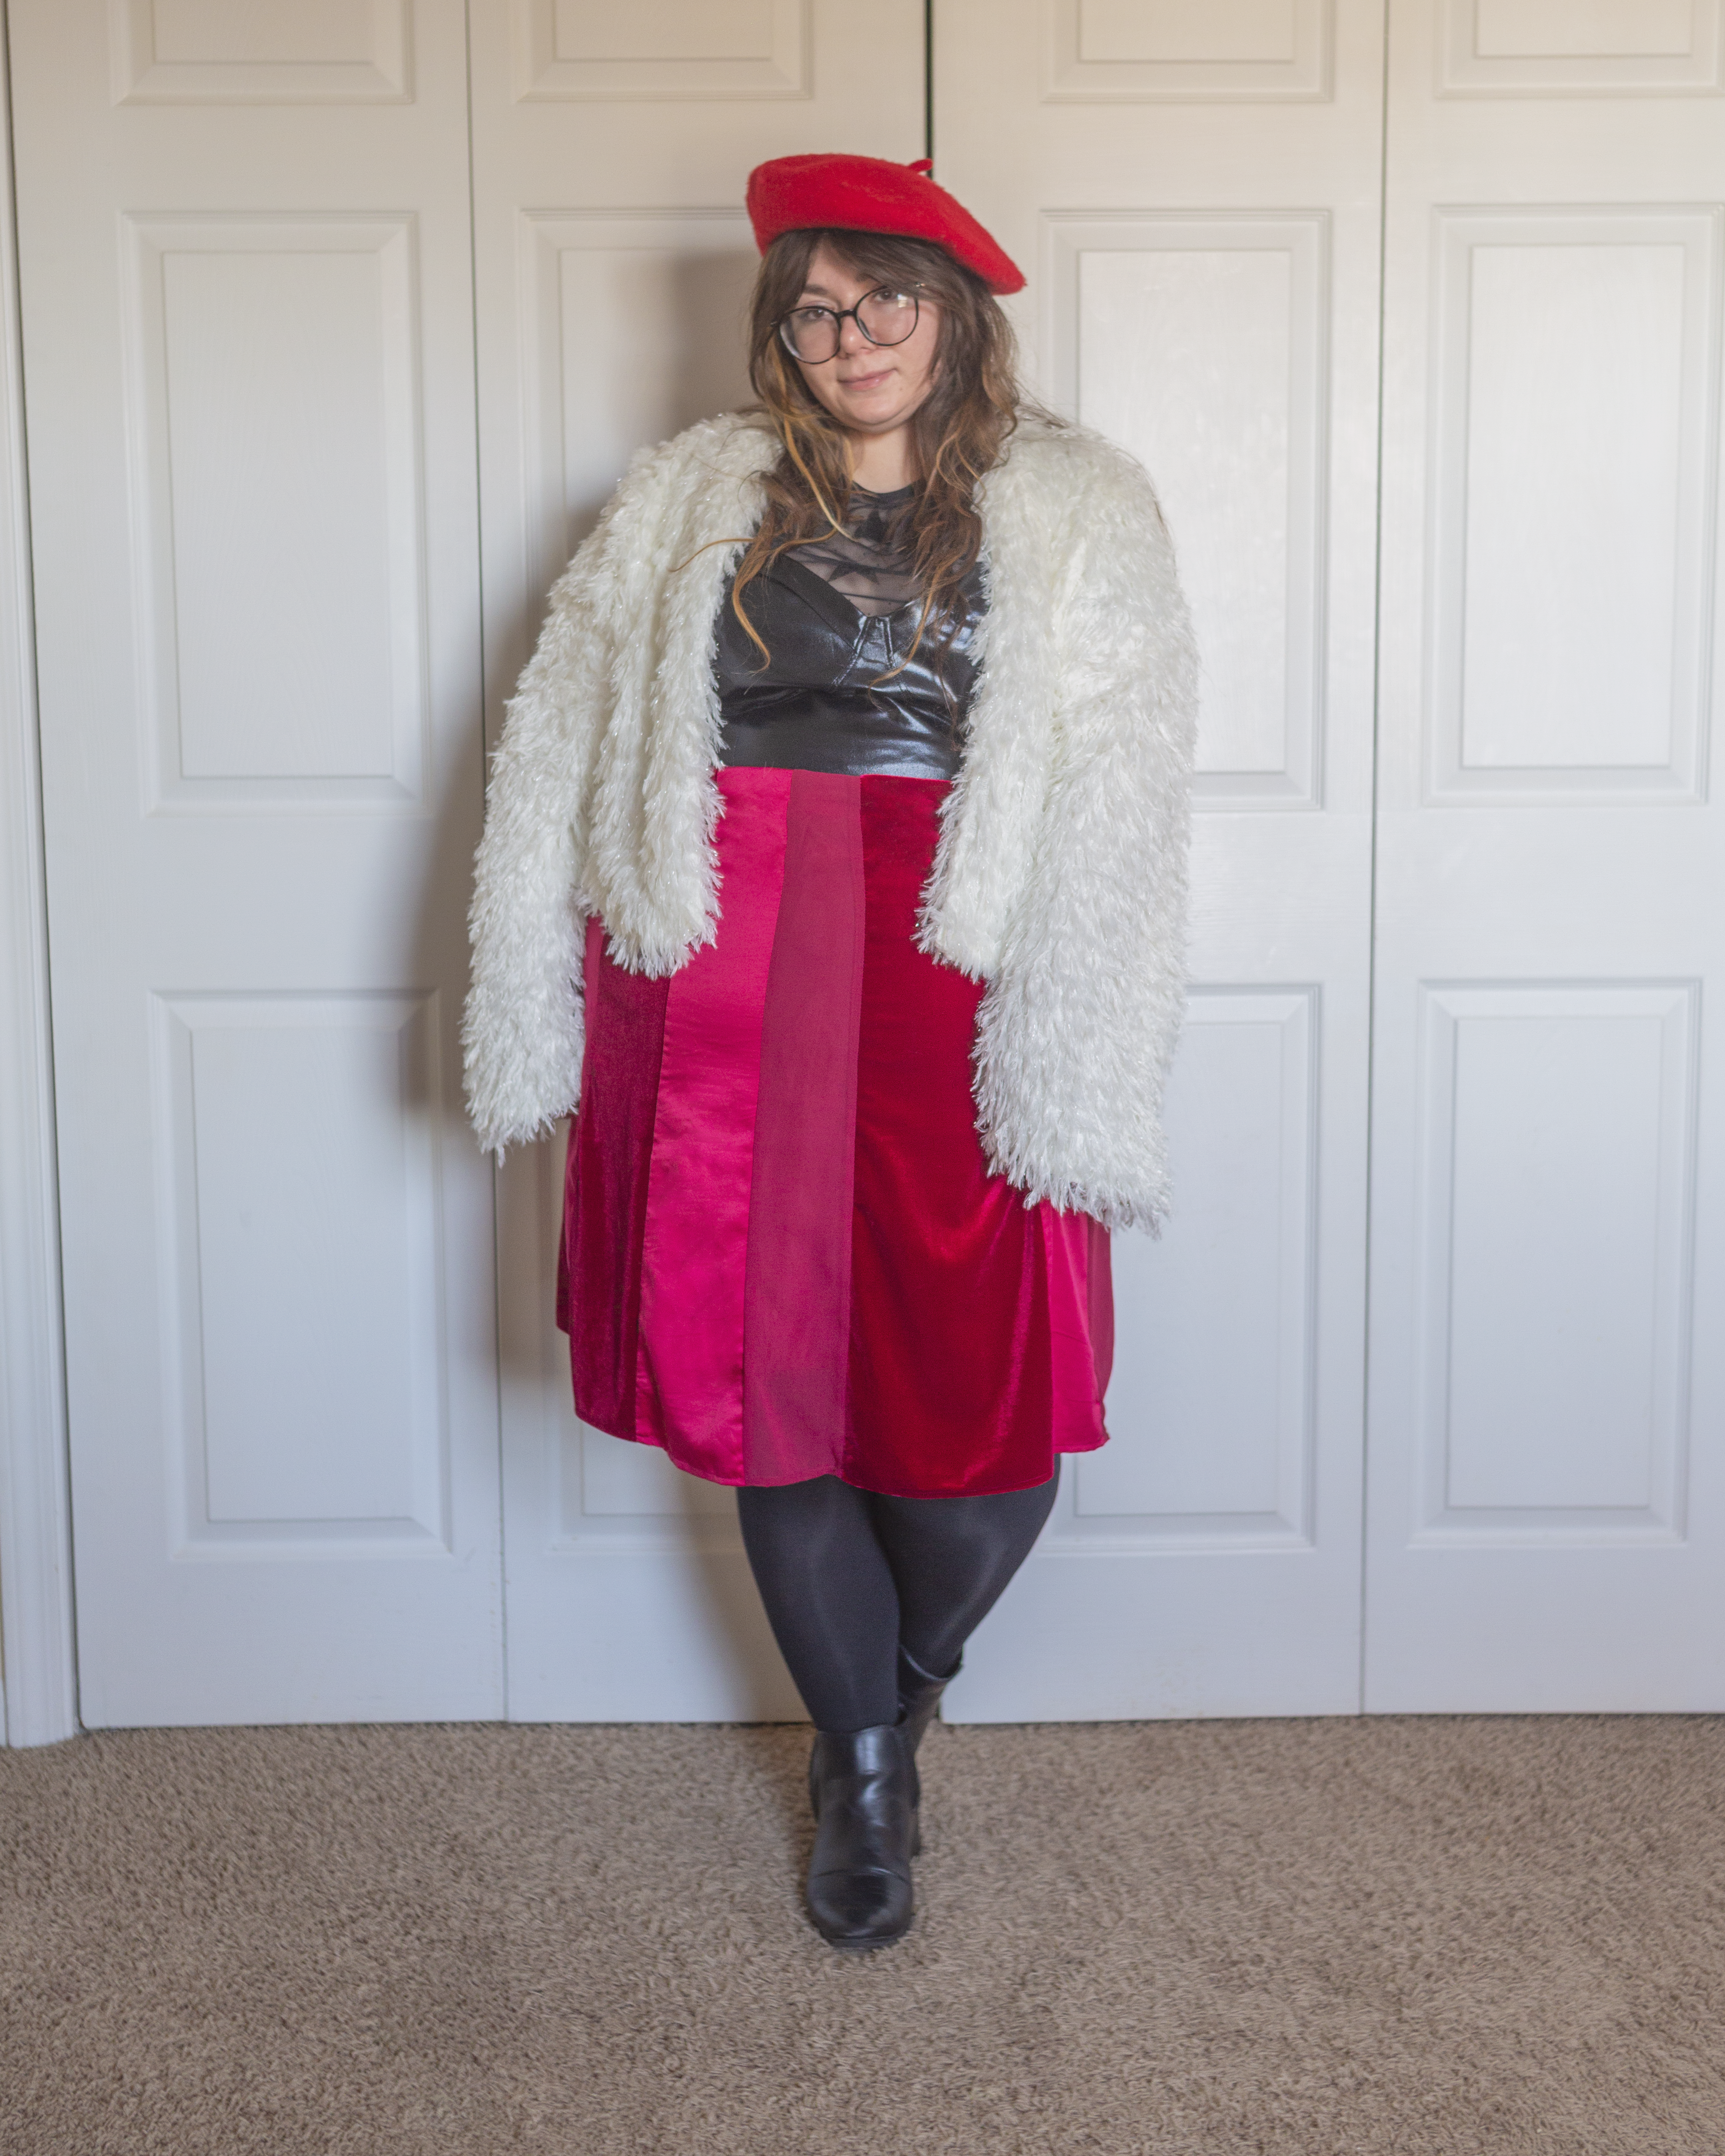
1386 1936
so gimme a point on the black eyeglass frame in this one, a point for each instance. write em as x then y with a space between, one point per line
840 315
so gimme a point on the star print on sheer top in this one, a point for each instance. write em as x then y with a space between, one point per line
869 562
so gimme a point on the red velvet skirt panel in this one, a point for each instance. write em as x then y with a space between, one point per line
605 1186
950 1369
798 1292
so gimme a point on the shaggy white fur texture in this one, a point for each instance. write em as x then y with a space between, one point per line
1060 876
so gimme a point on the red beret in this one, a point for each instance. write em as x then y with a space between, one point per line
872 194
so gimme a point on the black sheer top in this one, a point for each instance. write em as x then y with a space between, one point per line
836 615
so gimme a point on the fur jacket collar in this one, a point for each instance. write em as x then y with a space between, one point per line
1060 875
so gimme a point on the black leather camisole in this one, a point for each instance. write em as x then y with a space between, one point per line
818 704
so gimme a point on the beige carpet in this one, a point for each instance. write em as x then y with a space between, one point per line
1382 1937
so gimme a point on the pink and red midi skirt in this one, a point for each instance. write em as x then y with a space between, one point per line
783 1254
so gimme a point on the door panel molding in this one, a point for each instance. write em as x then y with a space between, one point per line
598 378
1202 1457
1226 52
1242 301
274 58
593 49
231 320
1580 48
344 1454
1596 504
1553 1410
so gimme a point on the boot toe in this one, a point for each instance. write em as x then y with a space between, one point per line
861 1909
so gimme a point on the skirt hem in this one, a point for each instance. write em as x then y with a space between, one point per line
850 1480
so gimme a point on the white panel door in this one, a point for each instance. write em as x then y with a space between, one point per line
1193 191
246 273
1548 1415
611 146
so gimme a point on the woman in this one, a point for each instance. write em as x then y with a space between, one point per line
835 863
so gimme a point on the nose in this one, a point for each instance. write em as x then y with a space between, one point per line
851 339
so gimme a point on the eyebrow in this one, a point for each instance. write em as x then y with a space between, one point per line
820 291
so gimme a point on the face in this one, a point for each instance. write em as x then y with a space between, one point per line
868 388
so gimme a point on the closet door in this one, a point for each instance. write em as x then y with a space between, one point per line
246 277
1193 191
611 146
1547 1465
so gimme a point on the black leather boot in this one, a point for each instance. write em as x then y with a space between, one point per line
862 1784
919 1694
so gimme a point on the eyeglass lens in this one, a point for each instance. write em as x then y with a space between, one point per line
884 317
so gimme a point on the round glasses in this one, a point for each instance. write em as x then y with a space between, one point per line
886 316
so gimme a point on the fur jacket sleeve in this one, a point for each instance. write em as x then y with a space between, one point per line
523 1034
1060 874
1085 997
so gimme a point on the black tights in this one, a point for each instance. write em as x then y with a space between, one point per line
848 1575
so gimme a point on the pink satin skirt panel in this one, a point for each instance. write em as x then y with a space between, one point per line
783 1254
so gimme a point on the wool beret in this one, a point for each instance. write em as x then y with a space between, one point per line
871 194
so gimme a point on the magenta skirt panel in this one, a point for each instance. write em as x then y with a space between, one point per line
783 1254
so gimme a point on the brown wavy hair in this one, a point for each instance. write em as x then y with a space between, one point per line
958 433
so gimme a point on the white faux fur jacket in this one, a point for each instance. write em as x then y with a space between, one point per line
1060 874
